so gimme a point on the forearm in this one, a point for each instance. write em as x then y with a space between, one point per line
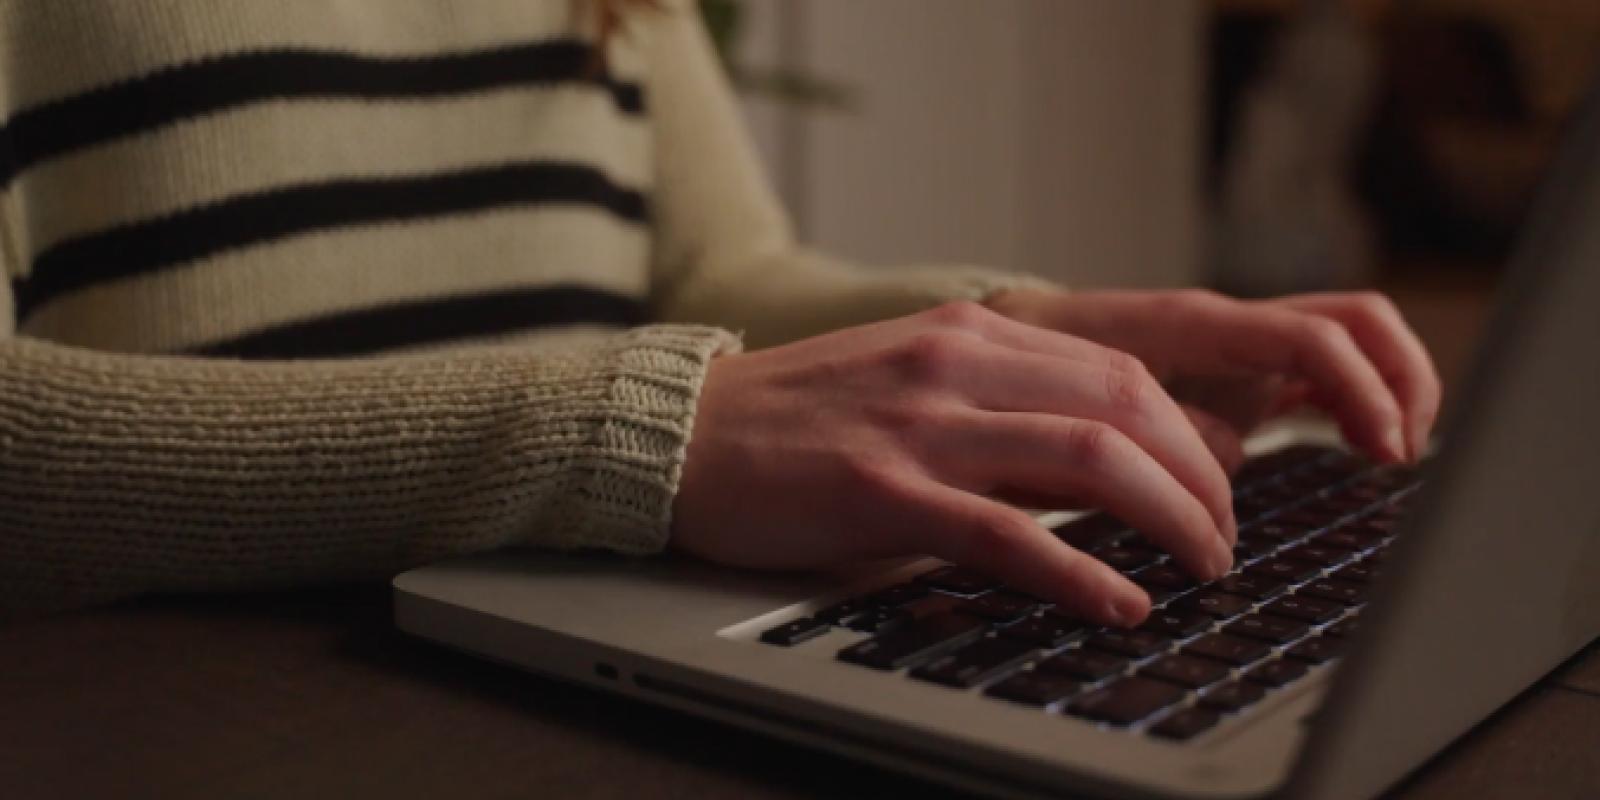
125 474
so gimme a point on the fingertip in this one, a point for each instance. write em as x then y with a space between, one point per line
1129 608
1419 440
1394 441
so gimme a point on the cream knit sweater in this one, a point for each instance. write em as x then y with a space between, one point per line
311 290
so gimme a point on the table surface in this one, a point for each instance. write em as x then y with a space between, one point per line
314 694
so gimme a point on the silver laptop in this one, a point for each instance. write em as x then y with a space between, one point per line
1375 614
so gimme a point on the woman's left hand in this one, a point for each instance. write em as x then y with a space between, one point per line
1235 363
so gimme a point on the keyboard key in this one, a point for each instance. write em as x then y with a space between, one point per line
1277 672
1035 688
839 612
792 633
1085 665
1164 576
1232 696
879 620
1215 604
1317 650
1392 479
1251 585
958 580
1340 505
1126 559
1278 630
1134 644
914 642
1044 630
1319 554
1274 530
1282 569
1294 455
1177 623
1343 628
1381 524
1359 572
1250 548
1195 673
1228 649
1280 495
972 664
1126 701
1305 519
1349 538
1185 723
998 606
1344 592
1305 608
896 596
1093 532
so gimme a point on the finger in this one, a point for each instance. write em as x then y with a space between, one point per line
1010 545
1266 338
1221 437
986 452
1124 396
1394 348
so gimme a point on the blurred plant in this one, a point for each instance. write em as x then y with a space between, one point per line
725 21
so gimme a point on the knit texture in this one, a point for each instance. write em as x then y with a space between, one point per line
467 289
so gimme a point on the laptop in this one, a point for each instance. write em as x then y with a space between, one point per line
1374 614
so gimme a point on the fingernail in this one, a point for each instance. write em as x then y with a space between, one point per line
1127 610
1395 440
1419 444
1221 561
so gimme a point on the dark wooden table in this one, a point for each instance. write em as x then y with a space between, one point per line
314 694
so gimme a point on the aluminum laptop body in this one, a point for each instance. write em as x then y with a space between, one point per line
1493 581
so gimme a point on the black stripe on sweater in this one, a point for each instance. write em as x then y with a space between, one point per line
187 90
432 321
153 245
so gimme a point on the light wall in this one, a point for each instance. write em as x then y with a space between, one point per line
1057 136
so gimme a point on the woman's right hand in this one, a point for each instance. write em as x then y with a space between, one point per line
902 438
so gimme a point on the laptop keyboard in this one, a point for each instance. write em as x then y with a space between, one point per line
1314 525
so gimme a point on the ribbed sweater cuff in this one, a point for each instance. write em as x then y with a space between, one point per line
622 486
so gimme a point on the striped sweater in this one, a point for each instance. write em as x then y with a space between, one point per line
321 289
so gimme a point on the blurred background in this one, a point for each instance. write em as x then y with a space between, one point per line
1257 146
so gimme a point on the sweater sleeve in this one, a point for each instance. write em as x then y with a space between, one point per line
124 474
724 252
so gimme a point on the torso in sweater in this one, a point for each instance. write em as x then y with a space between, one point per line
304 179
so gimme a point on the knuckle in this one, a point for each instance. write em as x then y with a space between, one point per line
1125 363
997 533
1323 333
1377 305
1199 297
1191 301
1131 391
876 473
1091 443
906 419
964 314
932 357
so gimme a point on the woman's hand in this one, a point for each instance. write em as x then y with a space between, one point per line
903 437
1239 362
